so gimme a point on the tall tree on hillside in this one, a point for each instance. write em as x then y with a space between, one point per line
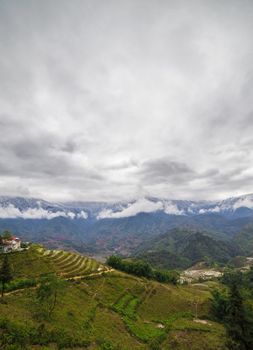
50 288
5 273
239 322
233 310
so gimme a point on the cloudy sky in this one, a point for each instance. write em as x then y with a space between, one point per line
108 100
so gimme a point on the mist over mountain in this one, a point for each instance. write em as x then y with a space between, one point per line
34 208
122 226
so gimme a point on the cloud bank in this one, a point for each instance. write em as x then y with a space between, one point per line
172 209
140 206
216 209
243 202
11 212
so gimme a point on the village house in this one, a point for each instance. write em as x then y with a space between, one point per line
10 244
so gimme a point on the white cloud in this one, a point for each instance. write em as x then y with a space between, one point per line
70 215
11 212
106 214
140 206
243 202
216 209
172 209
82 215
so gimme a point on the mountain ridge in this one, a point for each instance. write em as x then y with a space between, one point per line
118 209
100 227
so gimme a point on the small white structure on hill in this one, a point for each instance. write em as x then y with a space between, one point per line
11 244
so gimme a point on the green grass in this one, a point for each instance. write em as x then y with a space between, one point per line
118 310
69 264
131 307
144 331
29 263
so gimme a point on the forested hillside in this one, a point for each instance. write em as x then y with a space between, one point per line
183 248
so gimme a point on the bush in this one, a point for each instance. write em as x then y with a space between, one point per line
20 283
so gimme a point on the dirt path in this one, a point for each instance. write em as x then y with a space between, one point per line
66 279
19 290
89 275
99 289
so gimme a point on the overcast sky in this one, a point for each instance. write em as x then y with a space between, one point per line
108 100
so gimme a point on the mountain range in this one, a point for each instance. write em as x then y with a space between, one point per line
104 228
34 208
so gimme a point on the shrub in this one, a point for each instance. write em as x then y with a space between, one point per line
20 284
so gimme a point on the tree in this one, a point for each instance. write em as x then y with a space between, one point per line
5 273
6 235
239 322
234 312
114 261
49 289
219 304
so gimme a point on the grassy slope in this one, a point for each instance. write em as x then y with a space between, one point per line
119 309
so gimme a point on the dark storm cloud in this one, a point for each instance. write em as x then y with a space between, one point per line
104 100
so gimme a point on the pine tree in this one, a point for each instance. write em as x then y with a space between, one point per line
234 310
239 321
5 273
47 294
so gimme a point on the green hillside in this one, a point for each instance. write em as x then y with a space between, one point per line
244 239
100 308
181 248
68 264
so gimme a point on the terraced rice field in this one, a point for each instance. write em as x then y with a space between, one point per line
70 265
127 305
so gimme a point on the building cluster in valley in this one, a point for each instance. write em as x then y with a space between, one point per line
9 243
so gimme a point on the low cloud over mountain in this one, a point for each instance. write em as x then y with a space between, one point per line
11 207
140 206
11 212
21 208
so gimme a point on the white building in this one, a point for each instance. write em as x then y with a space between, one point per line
11 244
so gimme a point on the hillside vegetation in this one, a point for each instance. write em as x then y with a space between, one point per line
81 227
101 308
244 239
181 248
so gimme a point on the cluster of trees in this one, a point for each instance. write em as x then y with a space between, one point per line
142 269
232 306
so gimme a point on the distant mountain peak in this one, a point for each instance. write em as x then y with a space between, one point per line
24 207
